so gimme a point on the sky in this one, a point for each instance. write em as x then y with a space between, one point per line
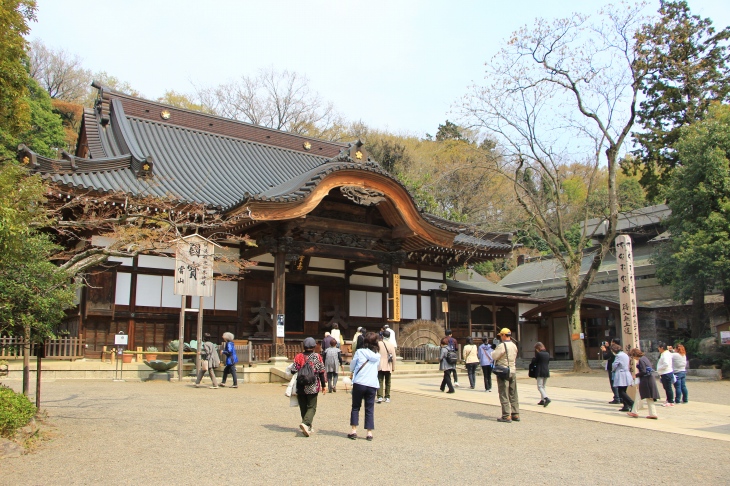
396 65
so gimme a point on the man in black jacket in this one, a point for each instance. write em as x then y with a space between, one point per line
609 357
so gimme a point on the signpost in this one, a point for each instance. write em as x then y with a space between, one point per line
121 341
627 293
193 276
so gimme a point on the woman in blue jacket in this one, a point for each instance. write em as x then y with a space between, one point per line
365 384
622 377
229 350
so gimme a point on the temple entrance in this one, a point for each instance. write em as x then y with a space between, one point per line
294 308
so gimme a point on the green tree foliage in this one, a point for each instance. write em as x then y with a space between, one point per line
14 106
46 135
34 292
697 258
687 62
15 411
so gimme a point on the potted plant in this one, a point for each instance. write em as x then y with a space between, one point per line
127 357
151 353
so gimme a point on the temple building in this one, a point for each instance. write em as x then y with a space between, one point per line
332 230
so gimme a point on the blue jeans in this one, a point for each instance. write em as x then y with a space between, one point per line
680 387
666 380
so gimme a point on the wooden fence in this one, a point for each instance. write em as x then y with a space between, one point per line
11 347
427 354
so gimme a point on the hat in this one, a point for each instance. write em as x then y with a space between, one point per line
386 327
359 329
505 332
326 334
309 343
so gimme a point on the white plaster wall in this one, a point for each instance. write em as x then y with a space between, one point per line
426 307
408 306
124 288
327 263
311 303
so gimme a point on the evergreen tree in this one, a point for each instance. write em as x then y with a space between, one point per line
687 65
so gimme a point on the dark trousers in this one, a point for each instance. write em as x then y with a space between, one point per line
384 379
627 401
471 370
232 370
456 378
613 388
487 372
360 393
447 381
668 387
307 407
332 381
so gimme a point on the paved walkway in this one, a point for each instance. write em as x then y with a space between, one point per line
697 419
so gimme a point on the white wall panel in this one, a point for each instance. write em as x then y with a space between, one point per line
149 261
430 285
371 269
327 263
408 284
124 288
375 304
126 262
311 303
408 272
522 308
426 307
149 290
365 280
208 302
433 275
409 306
326 274
265 258
226 295
169 299
358 303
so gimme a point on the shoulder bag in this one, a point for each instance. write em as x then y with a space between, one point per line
502 372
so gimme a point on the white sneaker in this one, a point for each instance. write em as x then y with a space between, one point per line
387 400
305 429
668 404
380 400
457 385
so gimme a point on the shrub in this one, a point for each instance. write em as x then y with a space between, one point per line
152 349
15 411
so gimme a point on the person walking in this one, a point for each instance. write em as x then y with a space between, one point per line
470 355
445 366
332 364
336 334
505 355
485 360
666 372
453 346
229 350
358 333
542 372
364 368
393 341
386 367
647 385
307 393
622 376
609 357
679 366
209 361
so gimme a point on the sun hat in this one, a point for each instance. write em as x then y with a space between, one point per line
309 343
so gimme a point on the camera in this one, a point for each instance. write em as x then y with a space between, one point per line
604 344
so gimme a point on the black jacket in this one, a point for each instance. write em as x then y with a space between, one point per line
542 359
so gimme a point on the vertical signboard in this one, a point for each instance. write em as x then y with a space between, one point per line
627 293
194 266
396 297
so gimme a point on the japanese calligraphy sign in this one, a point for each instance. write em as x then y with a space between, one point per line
396 297
194 266
627 293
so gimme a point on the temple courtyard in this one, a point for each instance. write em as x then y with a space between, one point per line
152 432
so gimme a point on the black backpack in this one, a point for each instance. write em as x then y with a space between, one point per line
305 376
451 356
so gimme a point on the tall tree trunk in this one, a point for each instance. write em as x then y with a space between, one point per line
580 357
699 323
26 359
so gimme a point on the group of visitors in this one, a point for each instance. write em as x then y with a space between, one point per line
624 371
209 361
373 362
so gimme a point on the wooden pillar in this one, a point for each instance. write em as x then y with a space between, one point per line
279 303
494 318
468 310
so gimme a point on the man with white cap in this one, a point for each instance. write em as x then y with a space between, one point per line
505 355
392 335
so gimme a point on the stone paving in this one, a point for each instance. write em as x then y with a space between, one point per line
149 433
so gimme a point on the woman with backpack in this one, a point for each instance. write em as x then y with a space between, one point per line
448 363
647 385
364 367
471 358
209 361
311 378
229 350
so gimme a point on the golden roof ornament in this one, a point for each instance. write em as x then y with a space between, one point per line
165 115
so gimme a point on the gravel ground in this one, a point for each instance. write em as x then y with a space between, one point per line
147 433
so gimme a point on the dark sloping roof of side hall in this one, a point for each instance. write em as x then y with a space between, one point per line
630 221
